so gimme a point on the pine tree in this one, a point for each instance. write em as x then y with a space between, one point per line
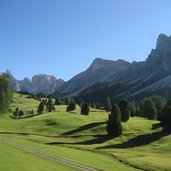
132 108
41 107
21 113
125 111
108 105
80 102
67 100
71 106
32 112
166 117
114 127
149 109
137 107
58 101
93 105
50 105
5 93
159 103
16 112
85 109
2 102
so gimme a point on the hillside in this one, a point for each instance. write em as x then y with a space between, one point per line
83 138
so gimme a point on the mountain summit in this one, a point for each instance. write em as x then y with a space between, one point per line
99 71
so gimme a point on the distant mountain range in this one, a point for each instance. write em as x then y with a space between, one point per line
46 84
115 79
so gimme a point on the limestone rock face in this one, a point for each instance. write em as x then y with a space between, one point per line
41 83
15 85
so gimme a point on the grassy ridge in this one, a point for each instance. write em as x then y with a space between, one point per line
141 145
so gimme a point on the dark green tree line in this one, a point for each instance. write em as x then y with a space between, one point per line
5 93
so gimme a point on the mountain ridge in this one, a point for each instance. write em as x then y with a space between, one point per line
116 79
131 77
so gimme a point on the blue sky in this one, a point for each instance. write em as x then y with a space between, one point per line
63 37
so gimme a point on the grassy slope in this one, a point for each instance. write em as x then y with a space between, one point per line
14 159
140 145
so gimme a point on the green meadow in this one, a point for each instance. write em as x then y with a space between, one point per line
82 139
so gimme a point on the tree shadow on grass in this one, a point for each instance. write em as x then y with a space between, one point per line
97 140
73 113
26 117
155 126
138 141
97 111
83 128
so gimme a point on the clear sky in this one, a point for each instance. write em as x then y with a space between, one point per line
63 37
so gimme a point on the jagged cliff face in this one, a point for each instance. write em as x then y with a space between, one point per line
121 79
14 84
161 56
38 84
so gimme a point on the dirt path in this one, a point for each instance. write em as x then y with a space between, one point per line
45 155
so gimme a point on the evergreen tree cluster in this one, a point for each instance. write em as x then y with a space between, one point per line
62 100
71 106
5 93
149 107
18 113
49 105
33 95
85 109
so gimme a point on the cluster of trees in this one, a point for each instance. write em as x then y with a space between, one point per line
71 106
5 93
33 95
149 107
18 113
63 100
153 107
119 113
48 103
84 106
85 109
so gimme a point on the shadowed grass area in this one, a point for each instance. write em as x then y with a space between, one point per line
140 140
85 127
97 140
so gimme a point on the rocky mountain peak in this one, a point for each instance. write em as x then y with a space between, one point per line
41 83
162 41
160 57
100 63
